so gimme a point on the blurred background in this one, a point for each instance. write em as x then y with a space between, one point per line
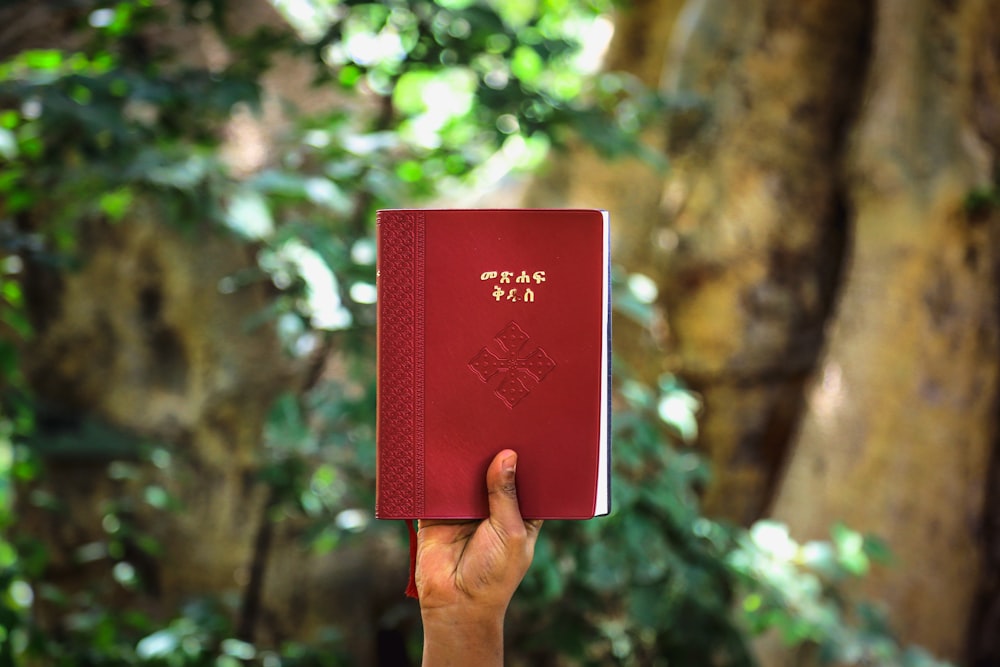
805 216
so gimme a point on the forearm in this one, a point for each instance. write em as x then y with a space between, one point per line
454 640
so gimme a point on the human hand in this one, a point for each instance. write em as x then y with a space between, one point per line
467 572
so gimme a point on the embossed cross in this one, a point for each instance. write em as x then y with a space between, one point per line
516 372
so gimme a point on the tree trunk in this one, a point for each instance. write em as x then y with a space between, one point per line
743 235
748 250
902 417
817 206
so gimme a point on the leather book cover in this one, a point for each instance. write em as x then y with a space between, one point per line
493 333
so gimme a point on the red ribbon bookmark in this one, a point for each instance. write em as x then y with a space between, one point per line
411 587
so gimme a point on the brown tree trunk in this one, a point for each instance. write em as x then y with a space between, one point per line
817 206
747 252
743 235
902 416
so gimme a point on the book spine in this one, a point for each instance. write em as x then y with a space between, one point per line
400 492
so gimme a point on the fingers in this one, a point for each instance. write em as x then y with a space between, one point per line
504 512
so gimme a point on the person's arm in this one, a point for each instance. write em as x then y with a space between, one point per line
467 572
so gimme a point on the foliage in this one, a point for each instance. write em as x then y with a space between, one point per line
646 585
657 583
438 96
802 592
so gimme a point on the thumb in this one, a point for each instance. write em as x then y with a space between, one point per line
504 512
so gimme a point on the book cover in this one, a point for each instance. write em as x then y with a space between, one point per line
493 333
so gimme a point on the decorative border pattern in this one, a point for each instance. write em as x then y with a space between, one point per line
418 361
401 364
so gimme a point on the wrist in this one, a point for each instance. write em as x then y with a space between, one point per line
462 636
463 615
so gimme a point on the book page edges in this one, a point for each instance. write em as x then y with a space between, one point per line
602 504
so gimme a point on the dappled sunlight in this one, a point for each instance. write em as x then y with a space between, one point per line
828 395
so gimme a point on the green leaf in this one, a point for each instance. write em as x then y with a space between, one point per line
116 203
249 215
159 644
17 321
9 119
349 76
408 95
11 291
8 144
44 59
526 64
8 360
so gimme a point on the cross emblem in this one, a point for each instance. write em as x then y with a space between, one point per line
518 374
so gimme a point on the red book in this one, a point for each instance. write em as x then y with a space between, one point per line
493 333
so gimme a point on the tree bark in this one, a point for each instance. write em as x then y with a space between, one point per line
743 234
817 212
747 252
901 419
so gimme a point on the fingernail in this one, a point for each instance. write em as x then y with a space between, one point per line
509 464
